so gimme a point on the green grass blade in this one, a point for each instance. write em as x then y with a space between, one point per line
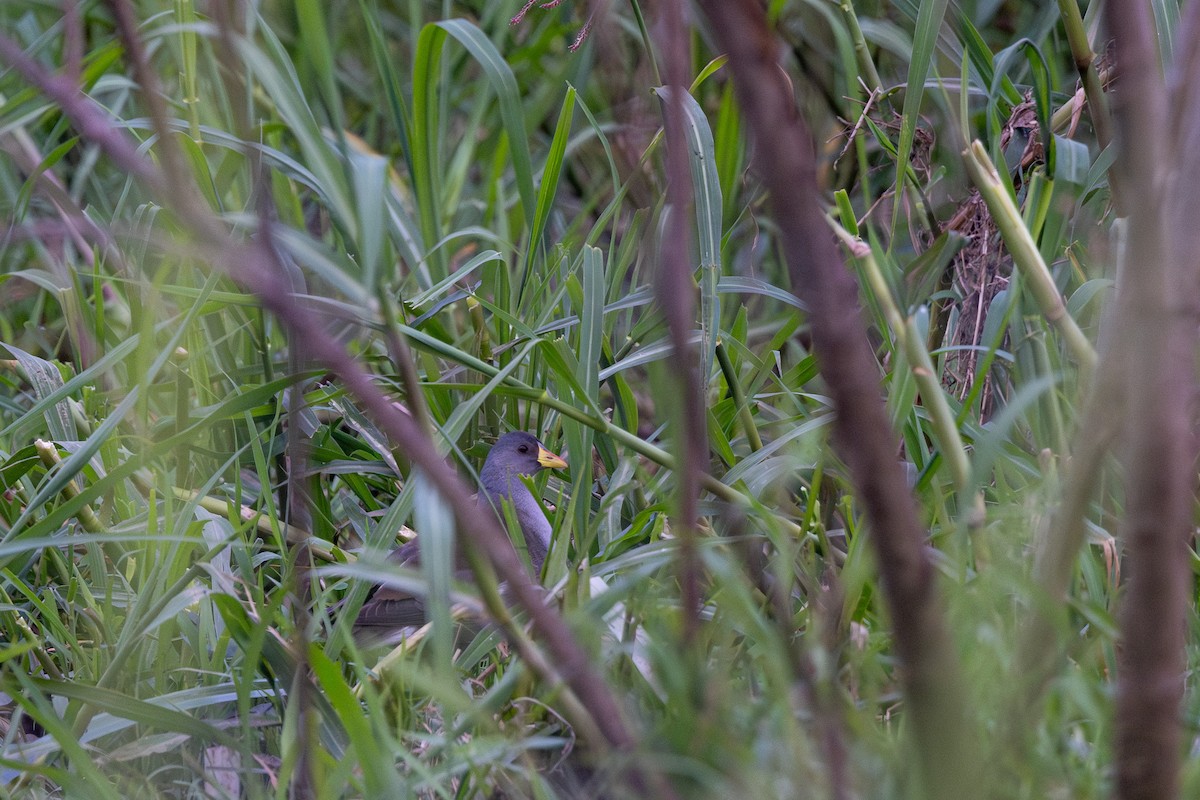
551 173
706 190
929 23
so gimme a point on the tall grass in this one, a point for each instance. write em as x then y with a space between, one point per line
239 280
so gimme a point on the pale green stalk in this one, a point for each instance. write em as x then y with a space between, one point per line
1025 253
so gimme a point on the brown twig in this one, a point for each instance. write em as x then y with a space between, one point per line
1160 447
935 698
675 291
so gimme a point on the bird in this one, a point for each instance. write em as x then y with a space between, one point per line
512 456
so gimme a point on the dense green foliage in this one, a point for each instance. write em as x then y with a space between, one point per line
491 197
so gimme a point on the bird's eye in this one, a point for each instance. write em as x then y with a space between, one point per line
524 448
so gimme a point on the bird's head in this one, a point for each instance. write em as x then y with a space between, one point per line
517 453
